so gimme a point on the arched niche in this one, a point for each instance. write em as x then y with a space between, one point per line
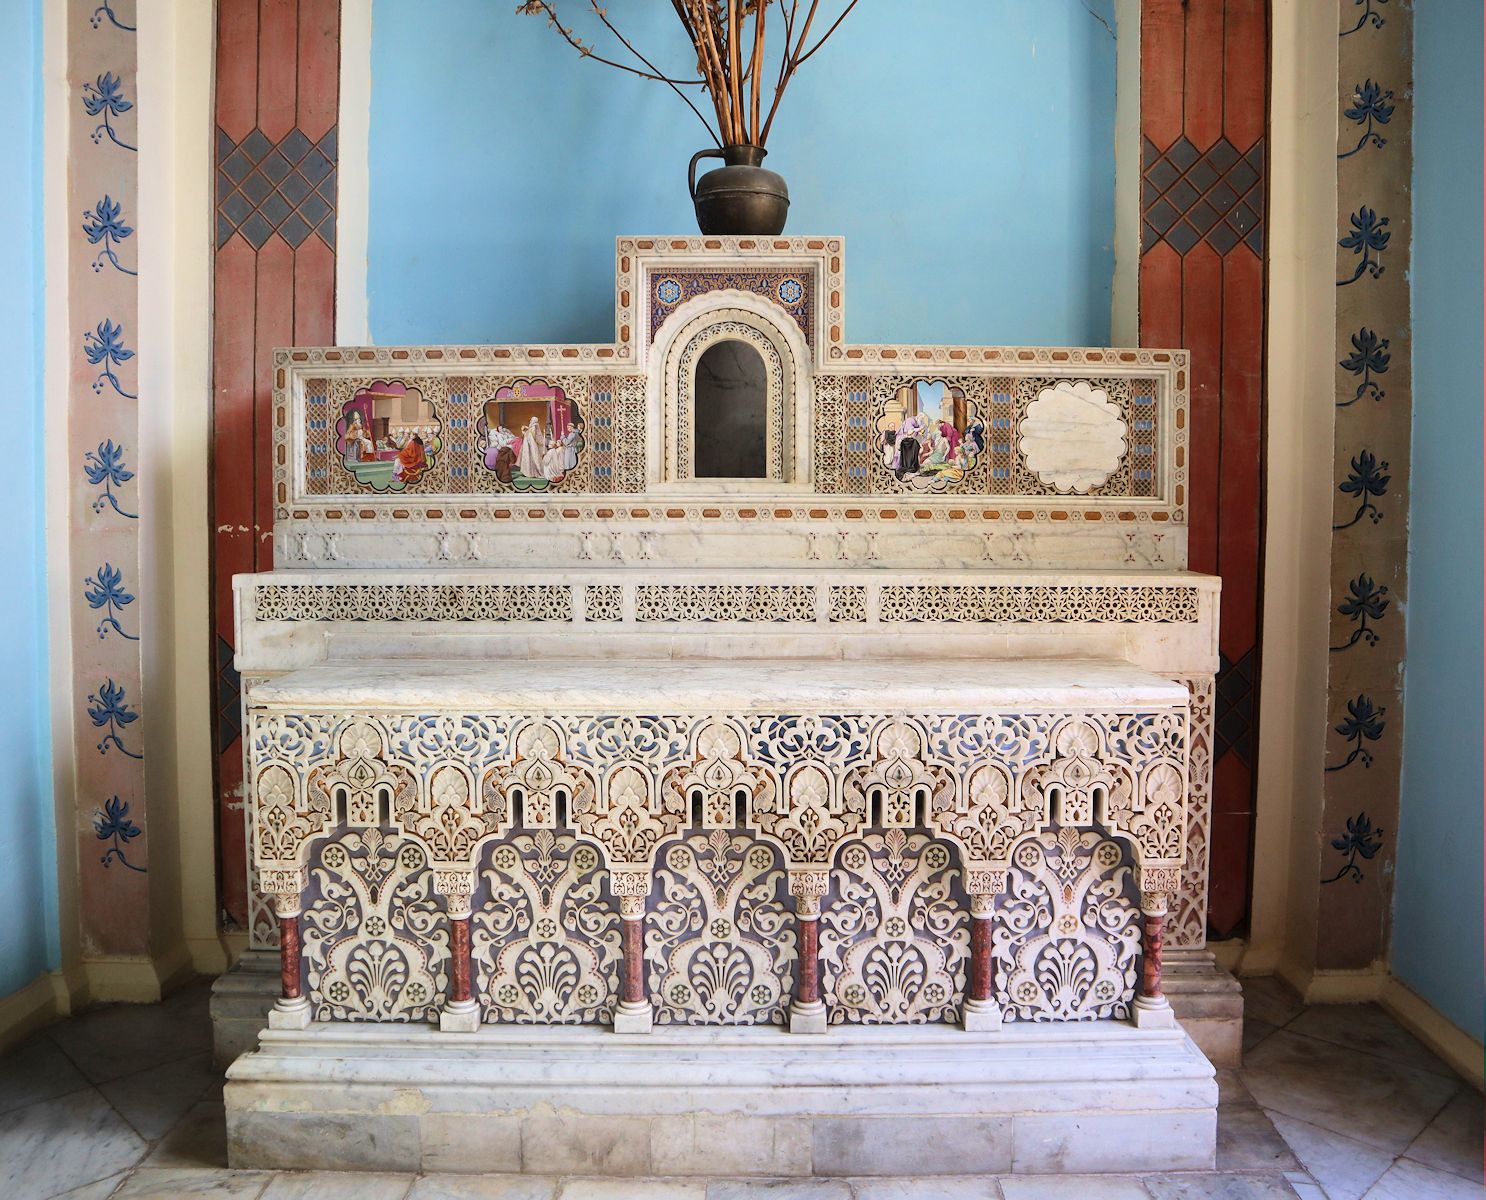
729 399
732 412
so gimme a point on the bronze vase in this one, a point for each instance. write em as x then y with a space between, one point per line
739 197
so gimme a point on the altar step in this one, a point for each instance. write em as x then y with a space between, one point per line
719 1101
1207 1001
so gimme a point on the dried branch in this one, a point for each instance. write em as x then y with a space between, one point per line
716 30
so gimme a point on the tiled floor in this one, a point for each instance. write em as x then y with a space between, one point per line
1333 1103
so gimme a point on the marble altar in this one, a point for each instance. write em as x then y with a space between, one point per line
611 815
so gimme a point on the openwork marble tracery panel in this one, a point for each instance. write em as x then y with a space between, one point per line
375 943
737 600
1066 942
720 942
1186 925
390 812
545 933
894 932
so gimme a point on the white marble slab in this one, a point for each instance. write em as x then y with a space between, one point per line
743 685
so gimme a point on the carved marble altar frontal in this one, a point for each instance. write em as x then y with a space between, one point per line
537 821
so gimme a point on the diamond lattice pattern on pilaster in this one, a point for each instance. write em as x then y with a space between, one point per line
1189 197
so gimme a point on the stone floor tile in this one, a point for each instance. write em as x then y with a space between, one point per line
101 1190
1204 1185
336 1185
1255 1031
1269 999
1231 1089
152 1184
1073 1187
484 1187
36 1070
1306 1189
1453 1140
1248 1141
944 1187
155 1099
61 1144
199 1139
1343 1166
631 1189
781 1189
1375 1101
1367 1029
120 1039
1406 1180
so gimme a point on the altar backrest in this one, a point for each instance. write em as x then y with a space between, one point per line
916 457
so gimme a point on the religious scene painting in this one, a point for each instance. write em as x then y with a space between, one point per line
930 435
388 436
531 434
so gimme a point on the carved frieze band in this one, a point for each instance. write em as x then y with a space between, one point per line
750 603
807 783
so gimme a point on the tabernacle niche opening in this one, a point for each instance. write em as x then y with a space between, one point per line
731 413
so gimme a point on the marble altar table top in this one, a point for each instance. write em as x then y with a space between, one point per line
733 685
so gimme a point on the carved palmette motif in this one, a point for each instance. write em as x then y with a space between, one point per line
375 943
1066 941
894 932
545 933
720 941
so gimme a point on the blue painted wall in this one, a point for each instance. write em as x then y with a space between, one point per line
965 148
1437 939
28 853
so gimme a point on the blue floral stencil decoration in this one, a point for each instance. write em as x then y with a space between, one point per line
1360 840
1369 238
1366 601
112 824
105 592
1366 481
1363 723
108 710
1369 108
106 466
105 98
1369 357
105 348
103 223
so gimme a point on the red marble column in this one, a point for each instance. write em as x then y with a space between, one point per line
460 1013
807 1011
980 958
292 1010
459 954
289 969
1150 949
982 1014
633 983
634 1013
807 986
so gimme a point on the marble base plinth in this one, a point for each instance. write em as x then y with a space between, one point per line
1208 1002
1085 1097
1206 999
240 1002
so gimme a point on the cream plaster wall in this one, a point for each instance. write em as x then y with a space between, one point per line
70 981
1301 320
353 186
176 57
